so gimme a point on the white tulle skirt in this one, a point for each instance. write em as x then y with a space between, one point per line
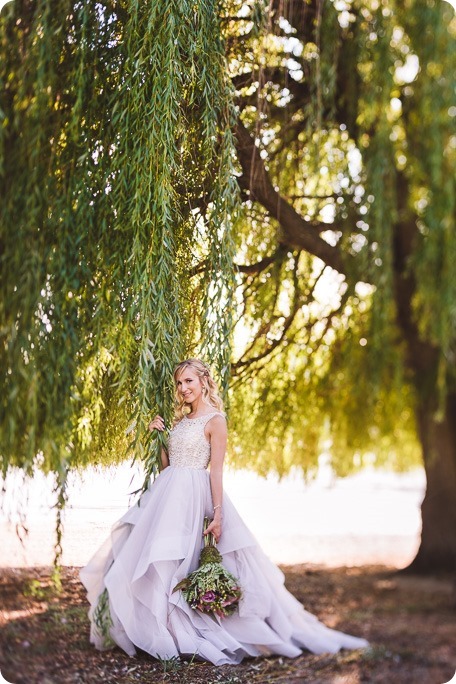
156 544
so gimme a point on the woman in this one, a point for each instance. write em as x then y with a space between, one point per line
157 543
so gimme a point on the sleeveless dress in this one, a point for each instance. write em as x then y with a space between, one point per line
157 543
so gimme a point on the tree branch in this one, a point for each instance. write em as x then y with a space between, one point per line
260 265
246 362
296 232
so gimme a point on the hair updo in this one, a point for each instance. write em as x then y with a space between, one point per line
210 391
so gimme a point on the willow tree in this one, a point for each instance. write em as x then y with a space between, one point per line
346 141
116 184
119 183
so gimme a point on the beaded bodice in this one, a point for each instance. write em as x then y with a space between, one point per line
188 446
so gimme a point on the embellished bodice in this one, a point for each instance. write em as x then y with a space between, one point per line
188 445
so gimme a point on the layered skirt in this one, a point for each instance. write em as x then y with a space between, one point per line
156 544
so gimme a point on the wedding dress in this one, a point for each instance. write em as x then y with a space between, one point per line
157 543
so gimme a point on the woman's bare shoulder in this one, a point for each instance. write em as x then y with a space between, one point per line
217 422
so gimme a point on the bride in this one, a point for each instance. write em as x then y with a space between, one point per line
157 543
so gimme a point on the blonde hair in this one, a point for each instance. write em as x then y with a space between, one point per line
210 390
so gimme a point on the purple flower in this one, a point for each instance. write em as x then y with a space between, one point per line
208 597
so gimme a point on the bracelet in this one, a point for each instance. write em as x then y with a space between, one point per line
218 506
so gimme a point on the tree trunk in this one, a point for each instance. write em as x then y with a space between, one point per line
437 551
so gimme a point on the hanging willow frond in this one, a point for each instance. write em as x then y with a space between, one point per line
116 158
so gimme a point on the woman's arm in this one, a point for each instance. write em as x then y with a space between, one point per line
216 432
159 424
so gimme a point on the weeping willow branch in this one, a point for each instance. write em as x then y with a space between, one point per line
116 174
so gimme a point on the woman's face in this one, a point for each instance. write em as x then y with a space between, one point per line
189 385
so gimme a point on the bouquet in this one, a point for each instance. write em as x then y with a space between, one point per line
211 588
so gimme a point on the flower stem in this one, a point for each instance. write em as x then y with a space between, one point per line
209 539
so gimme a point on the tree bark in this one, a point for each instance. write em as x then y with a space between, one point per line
437 551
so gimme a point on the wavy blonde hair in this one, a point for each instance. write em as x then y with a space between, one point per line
210 391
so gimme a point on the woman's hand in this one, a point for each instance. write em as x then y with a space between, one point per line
215 527
157 424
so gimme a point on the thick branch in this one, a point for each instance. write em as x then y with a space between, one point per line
260 265
296 232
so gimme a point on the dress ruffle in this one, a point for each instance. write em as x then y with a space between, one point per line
156 544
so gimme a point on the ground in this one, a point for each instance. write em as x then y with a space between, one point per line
409 621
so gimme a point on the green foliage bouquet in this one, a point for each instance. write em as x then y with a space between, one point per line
211 588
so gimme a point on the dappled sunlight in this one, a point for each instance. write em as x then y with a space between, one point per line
9 615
